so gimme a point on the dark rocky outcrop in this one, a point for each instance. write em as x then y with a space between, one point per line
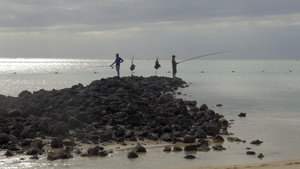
112 109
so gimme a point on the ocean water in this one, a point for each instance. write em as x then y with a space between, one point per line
267 90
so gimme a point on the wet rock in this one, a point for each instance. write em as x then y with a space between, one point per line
9 153
200 134
242 114
250 153
260 156
189 157
218 139
190 148
34 151
69 143
177 149
4 138
233 139
105 136
166 137
60 129
139 148
37 144
103 153
204 148
167 149
257 142
93 151
59 154
34 157
218 148
211 128
166 98
189 139
74 123
77 151
25 143
203 107
14 147
14 113
132 154
57 143
134 120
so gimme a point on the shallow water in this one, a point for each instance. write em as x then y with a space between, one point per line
267 90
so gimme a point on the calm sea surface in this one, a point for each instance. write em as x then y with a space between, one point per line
267 90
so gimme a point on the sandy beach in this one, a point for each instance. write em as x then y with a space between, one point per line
288 164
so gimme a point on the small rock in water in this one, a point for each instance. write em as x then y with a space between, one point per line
8 154
189 157
177 148
190 148
139 148
103 153
218 139
242 114
250 153
257 142
219 105
167 149
218 148
260 156
132 154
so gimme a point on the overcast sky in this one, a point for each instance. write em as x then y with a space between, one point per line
254 29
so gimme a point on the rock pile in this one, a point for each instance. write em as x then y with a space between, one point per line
111 109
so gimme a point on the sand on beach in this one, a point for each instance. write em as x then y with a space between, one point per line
288 164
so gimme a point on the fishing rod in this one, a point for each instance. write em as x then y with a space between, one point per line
203 56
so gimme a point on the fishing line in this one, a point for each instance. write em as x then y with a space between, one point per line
204 55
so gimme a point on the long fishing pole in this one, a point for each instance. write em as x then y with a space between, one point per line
203 56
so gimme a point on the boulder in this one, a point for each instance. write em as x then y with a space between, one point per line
190 148
59 154
4 138
132 154
57 143
189 139
165 98
139 148
93 151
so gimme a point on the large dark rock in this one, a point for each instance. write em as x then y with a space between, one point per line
135 120
93 151
189 139
57 143
4 138
166 98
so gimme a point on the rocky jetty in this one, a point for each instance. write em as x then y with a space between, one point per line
111 109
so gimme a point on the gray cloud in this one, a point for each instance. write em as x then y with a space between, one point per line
75 28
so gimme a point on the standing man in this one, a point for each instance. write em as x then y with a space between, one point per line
117 62
174 66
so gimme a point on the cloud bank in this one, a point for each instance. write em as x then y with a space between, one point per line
256 29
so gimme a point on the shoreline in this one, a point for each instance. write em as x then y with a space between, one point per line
286 164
